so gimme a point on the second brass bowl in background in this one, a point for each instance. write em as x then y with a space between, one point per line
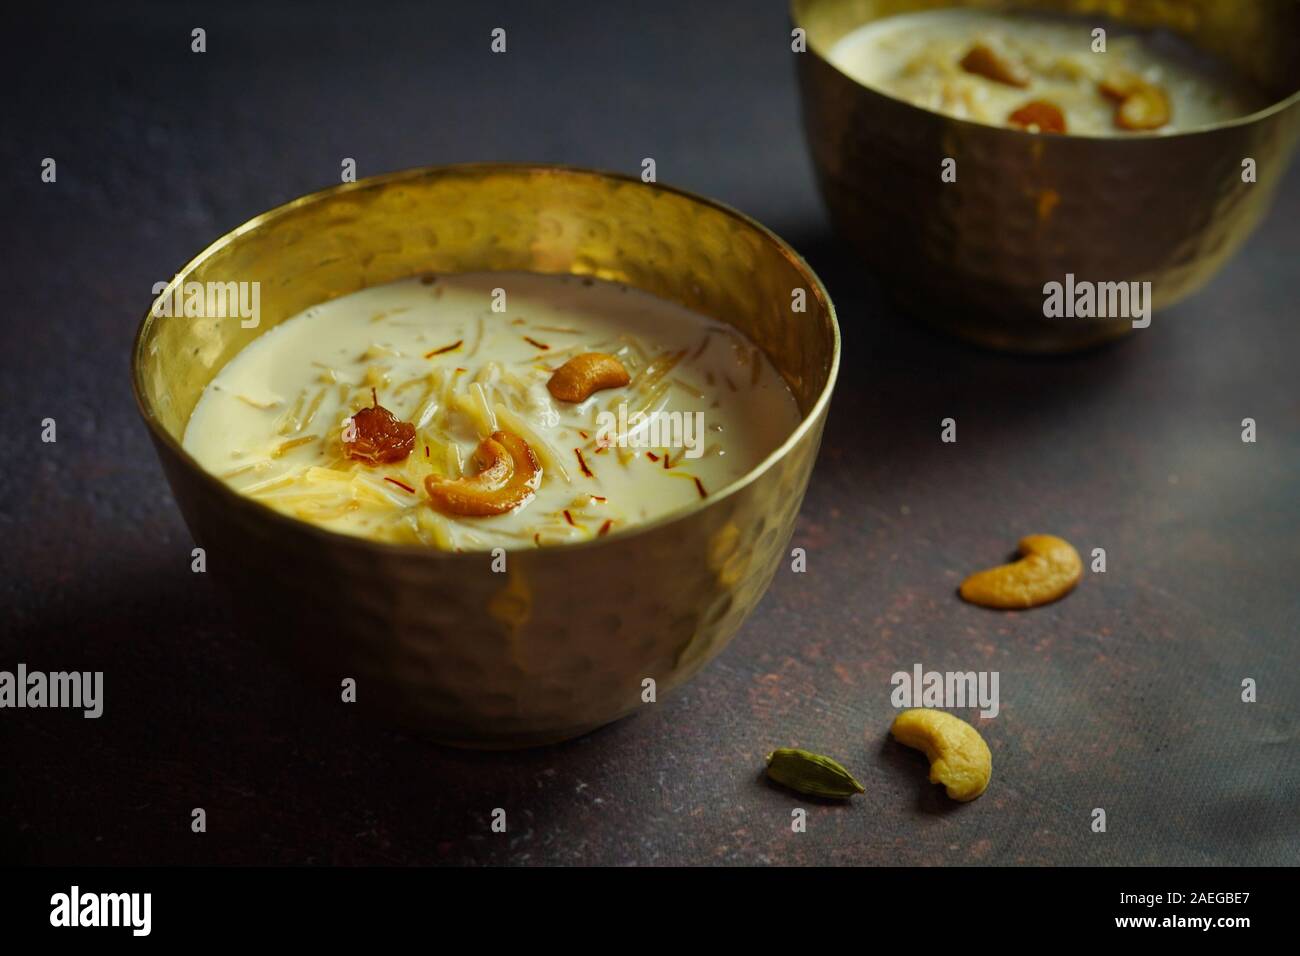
562 641
972 256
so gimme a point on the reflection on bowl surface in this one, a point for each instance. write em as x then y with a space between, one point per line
524 646
939 162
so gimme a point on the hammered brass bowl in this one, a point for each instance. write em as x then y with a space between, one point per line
561 642
973 256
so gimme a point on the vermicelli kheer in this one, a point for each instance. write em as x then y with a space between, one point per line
417 412
1044 73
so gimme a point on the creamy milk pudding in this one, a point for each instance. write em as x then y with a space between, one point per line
1039 72
486 410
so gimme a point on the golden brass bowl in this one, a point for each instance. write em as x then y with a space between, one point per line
973 256
561 642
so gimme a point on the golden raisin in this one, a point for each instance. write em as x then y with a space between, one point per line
1039 115
377 436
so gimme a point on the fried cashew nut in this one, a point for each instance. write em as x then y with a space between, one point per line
581 375
1148 108
959 757
508 477
983 60
1048 570
1142 105
1119 85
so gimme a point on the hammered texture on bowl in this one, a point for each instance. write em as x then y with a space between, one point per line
562 640
973 255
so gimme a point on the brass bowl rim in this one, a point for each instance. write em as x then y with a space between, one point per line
233 499
1249 119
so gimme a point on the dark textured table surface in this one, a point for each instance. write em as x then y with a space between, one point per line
1124 696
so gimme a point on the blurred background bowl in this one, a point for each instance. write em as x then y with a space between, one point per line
973 256
561 643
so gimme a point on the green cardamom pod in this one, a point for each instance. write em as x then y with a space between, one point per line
811 774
